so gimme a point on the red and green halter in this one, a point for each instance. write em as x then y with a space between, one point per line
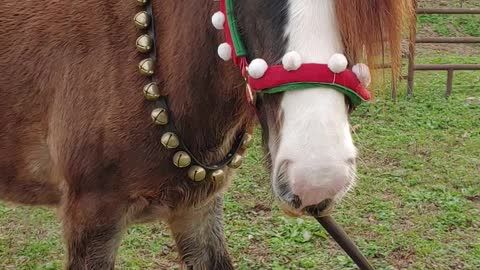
277 79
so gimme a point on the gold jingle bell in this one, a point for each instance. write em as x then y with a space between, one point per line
218 175
236 162
160 116
170 140
247 140
146 67
197 173
151 91
142 20
182 159
141 2
144 43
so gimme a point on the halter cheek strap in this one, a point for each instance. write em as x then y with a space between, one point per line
292 74
228 22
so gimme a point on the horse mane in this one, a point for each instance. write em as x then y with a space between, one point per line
372 30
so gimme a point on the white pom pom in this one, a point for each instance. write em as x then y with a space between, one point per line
363 74
292 61
257 68
225 51
338 63
218 20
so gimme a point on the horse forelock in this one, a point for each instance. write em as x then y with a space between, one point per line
372 30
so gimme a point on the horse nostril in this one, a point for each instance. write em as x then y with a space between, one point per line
283 186
296 202
316 210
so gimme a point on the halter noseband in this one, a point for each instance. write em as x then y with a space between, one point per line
293 74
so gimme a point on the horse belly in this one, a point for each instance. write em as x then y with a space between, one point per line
25 166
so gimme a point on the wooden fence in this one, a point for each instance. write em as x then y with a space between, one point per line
449 68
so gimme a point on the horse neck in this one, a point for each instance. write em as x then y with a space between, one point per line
206 95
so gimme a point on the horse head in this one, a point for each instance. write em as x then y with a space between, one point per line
307 133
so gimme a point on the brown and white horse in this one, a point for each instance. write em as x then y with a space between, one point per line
75 131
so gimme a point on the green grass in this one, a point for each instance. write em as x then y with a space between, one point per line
450 25
416 206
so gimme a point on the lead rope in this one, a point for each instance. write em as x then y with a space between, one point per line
342 239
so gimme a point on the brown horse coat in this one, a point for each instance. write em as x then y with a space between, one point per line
75 128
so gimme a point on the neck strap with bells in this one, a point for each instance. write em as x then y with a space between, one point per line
162 116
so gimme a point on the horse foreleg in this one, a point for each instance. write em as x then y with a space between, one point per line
200 239
93 225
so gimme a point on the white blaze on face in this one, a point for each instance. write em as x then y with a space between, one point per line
315 136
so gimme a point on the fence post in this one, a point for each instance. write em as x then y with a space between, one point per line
411 53
449 83
394 89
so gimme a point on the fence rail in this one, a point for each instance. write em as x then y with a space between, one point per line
450 68
447 40
462 11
